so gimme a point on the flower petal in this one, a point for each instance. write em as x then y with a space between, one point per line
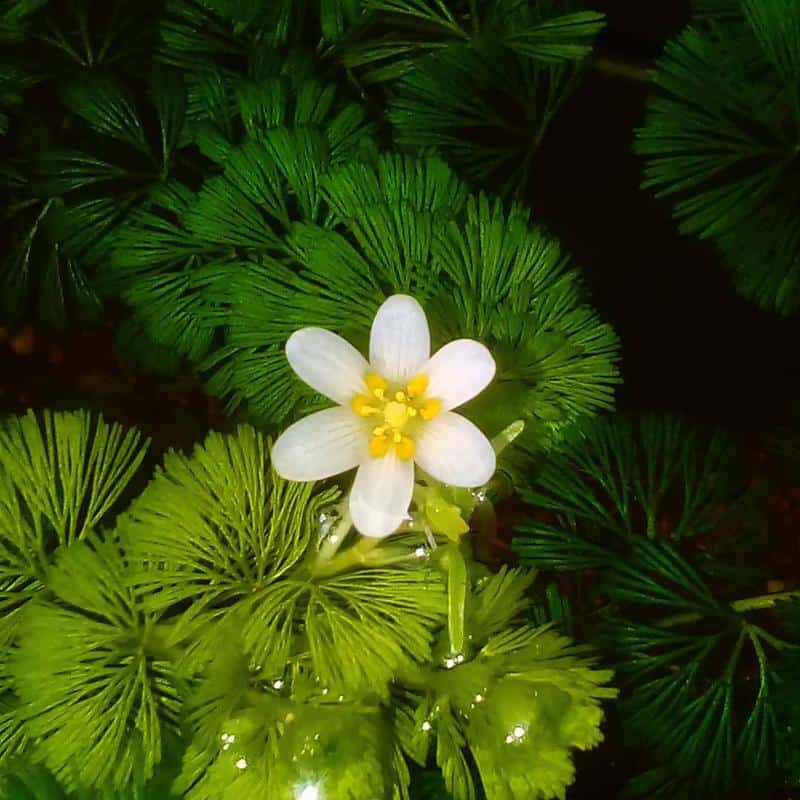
454 451
321 445
400 342
458 371
381 494
327 363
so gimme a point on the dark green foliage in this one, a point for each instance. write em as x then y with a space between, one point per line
701 671
628 478
71 198
482 86
720 139
184 253
407 225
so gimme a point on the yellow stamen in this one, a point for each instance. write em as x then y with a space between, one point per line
397 437
378 446
361 405
405 448
412 412
400 397
417 385
431 409
376 384
379 431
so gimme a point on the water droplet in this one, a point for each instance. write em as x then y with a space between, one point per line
242 763
309 792
328 518
426 726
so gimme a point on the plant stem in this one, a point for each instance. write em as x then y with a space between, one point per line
763 600
352 557
739 606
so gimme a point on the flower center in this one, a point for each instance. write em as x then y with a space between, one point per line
397 413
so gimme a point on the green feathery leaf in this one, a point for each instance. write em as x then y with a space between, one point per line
220 535
111 735
60 477
720 138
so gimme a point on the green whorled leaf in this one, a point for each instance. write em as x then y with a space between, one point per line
61 475
195 253
219 534
490 131
36 273
550 31
62 39
387 217
700 679
107 105
651 476
509 286
64 238
262 736
525 695
111 736
719 139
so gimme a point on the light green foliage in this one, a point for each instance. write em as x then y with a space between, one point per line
720 139
60 477
622 498
204 629
94 633
519 696
268 738
221 535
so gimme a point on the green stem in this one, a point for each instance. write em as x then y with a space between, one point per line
763 601
457 590
352 557
739 606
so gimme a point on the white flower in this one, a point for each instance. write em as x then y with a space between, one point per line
393 411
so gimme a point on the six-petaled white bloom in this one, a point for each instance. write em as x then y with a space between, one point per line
393 411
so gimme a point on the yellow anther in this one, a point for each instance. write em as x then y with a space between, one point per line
378 446
400 397
379 431
397 437
417 385
361 405
431 409
375 383
412 412
405 448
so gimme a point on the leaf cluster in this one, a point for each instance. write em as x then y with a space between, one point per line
720 140
518 695
635 511
196 647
